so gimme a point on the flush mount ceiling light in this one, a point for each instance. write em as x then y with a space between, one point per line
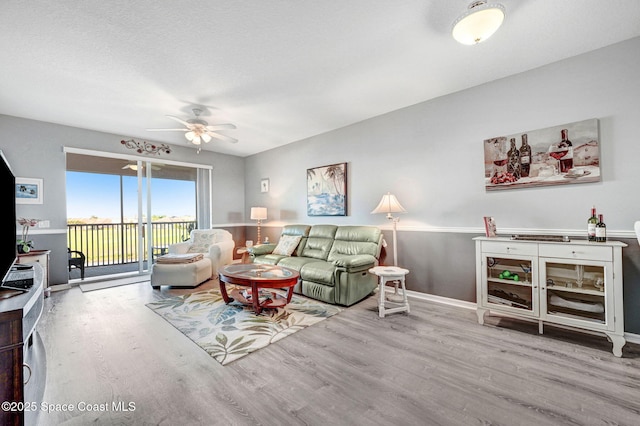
478 22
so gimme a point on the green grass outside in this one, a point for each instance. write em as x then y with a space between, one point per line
109 244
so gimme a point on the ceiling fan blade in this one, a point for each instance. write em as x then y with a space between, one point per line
222 126
167 130
222 137
179 120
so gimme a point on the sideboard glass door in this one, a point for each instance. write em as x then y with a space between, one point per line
510 283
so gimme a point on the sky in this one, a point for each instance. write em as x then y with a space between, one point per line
91 194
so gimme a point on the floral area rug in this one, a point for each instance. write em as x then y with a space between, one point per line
229 332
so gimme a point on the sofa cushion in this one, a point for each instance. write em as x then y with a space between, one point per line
295 230
355 240
287 245
302 230
319 241
294 262
319 272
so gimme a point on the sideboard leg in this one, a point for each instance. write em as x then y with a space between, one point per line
481 313
618 343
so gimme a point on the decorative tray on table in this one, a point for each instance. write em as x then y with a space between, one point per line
551 238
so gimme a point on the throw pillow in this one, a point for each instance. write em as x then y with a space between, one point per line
201 242
287 245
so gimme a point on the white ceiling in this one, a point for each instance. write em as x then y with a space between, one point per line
280 70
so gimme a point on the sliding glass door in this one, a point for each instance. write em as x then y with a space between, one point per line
123 213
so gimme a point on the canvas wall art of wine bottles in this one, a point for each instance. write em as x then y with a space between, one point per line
559 155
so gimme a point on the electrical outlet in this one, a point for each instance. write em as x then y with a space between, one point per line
44 224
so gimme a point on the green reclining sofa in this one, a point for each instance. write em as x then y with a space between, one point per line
333 261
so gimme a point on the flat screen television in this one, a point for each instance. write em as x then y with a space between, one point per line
8 247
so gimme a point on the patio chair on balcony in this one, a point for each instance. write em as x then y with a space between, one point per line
76 260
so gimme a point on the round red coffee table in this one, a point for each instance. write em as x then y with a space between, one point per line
258 279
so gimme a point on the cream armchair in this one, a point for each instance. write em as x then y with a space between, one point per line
215 244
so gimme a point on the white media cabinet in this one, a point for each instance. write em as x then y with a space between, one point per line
576 284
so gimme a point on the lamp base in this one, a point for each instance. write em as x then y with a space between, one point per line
395 297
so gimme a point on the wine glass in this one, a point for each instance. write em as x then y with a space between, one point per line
599 284
491 262
580 275
526 268
558 151
500 156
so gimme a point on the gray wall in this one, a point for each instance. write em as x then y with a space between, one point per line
35 150
430 156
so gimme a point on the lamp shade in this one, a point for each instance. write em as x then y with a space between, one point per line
389 204
478 23
258 213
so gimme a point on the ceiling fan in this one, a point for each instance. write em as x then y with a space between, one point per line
197 130
134 167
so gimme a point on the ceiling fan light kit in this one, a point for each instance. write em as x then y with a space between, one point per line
197 130
478 22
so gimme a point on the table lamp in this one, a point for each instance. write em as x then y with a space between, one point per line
259 214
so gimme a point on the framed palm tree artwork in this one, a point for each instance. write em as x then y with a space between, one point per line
327 190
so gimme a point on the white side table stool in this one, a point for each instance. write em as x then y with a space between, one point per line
389 274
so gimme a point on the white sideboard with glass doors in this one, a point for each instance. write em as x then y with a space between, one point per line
576 284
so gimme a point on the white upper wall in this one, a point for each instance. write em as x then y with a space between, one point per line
430 155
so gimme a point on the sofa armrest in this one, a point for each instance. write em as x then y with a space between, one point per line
222 252
261 249
355 262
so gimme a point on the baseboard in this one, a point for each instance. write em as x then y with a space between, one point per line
437 299
632 338
101 285
629 337
59 287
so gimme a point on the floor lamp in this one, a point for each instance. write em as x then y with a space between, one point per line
259 214
388 205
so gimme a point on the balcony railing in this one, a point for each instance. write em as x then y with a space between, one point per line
106 244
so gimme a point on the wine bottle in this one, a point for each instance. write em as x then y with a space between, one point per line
513 156
566 161
601 230
591 225
525 157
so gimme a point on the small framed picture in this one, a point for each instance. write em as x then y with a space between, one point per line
264 185
28 191
489 226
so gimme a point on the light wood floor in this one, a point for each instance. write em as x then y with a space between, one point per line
435 366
